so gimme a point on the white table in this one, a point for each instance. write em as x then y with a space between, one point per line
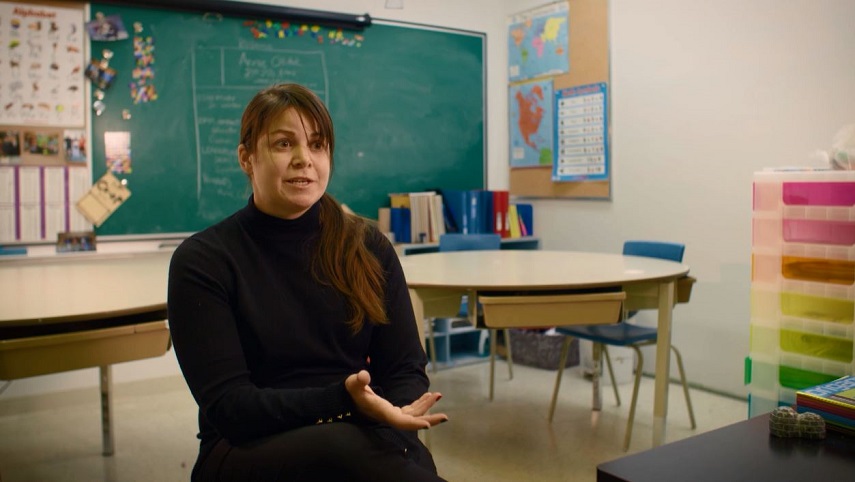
437 280
79 311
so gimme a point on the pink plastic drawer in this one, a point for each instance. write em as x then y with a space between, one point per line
841 233
819 193
767 196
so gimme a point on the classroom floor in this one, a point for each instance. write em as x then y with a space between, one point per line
58 437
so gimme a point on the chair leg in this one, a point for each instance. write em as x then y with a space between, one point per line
635 386
492 361
432 345
562 361
510 356
611 373
597 403
685 386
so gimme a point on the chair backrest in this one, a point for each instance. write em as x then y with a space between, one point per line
469 242
655 249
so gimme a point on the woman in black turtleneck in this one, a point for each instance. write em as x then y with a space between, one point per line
292 322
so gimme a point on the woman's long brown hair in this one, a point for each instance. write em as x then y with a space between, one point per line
341 258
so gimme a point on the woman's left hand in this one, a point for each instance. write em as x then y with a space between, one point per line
414 416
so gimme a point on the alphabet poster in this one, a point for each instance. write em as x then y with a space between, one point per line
41 54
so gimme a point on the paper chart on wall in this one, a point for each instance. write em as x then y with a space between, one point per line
581 135
41 53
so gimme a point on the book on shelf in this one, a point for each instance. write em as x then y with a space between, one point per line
420 206
454 203
399 223
514 221
437 218
432 213
834 401
384 220
526 215
399 200
500 213
416 217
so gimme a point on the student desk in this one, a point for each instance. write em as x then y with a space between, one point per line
742 451
80 311
438 280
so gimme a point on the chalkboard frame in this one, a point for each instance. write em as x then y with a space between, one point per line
125 222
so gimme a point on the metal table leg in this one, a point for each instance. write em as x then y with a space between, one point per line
107 409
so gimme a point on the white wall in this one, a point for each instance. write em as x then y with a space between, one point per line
704 93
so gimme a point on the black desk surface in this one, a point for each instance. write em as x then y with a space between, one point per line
742 451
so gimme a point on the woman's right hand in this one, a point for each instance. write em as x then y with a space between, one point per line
414 416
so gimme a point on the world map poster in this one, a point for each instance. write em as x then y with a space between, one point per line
531 127
538 42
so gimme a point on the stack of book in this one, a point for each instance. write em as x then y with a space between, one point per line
484 211
422 217
834 401
416 217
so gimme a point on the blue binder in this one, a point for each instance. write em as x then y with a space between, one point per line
399 222
526 214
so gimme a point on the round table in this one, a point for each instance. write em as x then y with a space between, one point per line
437 280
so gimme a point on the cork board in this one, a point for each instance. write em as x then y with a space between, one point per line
589 64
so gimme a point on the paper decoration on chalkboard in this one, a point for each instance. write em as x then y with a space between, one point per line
142 88
100 72
106 28
98 105
105 196
270 29
117 151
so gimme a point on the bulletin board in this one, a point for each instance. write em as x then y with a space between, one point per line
43 118
588 55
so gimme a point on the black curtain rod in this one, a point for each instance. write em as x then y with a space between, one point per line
267 12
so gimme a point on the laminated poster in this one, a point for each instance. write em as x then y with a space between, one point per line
581 134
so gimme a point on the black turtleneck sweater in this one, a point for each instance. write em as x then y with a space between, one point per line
263 346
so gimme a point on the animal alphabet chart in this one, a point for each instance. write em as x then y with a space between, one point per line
41 62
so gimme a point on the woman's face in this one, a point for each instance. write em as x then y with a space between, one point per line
290 166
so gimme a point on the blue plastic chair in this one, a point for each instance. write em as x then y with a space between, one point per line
625 334
471 242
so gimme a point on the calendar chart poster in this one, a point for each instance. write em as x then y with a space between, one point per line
581 134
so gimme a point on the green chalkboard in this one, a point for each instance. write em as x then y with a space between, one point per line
407 103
